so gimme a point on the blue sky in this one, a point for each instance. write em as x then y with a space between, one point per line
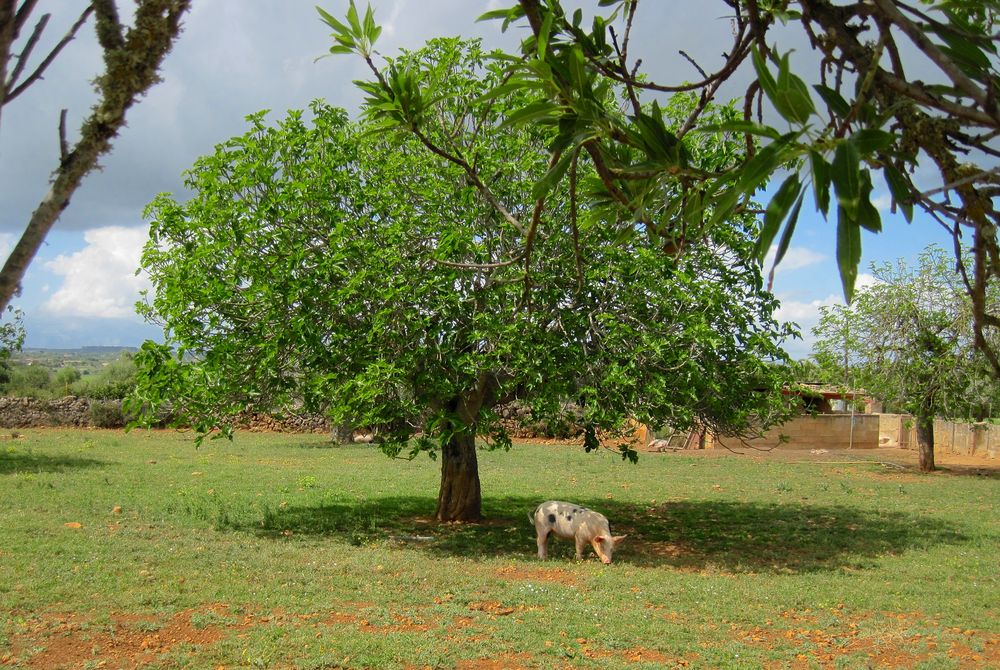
81 288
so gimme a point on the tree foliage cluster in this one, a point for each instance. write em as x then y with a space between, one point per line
865 120
413 270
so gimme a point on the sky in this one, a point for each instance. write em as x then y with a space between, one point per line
236 57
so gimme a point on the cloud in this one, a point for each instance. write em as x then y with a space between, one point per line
100 279
864 280
806 314
795 258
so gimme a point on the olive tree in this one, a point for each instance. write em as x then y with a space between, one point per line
407 279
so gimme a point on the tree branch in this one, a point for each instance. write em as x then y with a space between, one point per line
40 70
128 74
962 82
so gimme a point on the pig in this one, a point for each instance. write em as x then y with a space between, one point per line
570 521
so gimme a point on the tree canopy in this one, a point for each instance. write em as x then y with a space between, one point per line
399 273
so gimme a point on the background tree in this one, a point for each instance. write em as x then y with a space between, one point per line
401 274
132 57
864 116
908 339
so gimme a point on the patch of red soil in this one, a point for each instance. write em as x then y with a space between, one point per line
128 641
492 607
557 575
633 655
895 646
501 662
404 624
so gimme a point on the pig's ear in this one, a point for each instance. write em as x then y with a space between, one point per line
618 538
599 538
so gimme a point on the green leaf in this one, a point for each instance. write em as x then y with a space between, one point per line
795 103
899 187
552 176
786 237
535 111
872 140
821 181
331 21
775 213
868 216
508 15
654 138
764 76
846 176
751 175
543 35
788 93
848 251
741 126
352 18
834 101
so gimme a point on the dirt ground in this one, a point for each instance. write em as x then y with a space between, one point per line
904 459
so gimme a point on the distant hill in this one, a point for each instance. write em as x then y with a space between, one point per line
82 358
113 351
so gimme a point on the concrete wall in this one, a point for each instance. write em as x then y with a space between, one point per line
955 437
823 431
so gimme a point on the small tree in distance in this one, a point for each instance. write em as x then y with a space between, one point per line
908 339
409 279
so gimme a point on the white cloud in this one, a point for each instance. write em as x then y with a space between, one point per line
805 312
806 315
100 279
863 281
883 203
795 258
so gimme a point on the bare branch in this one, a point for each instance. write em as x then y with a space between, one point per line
40 70
22 58
979 176
63 145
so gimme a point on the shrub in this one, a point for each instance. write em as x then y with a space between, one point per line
107 414
114 382
30 381
64 378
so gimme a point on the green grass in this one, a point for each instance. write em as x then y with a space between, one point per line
278 551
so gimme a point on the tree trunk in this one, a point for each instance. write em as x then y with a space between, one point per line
460 498
925 443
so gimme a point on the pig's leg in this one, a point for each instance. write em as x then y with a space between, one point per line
581 544
543 537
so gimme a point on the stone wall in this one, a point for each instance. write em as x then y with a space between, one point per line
954 437
74 412
32 413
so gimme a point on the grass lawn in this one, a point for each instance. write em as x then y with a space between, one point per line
280 551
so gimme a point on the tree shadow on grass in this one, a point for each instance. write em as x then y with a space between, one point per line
696 535
12 462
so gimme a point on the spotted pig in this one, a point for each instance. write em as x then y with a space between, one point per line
570 521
